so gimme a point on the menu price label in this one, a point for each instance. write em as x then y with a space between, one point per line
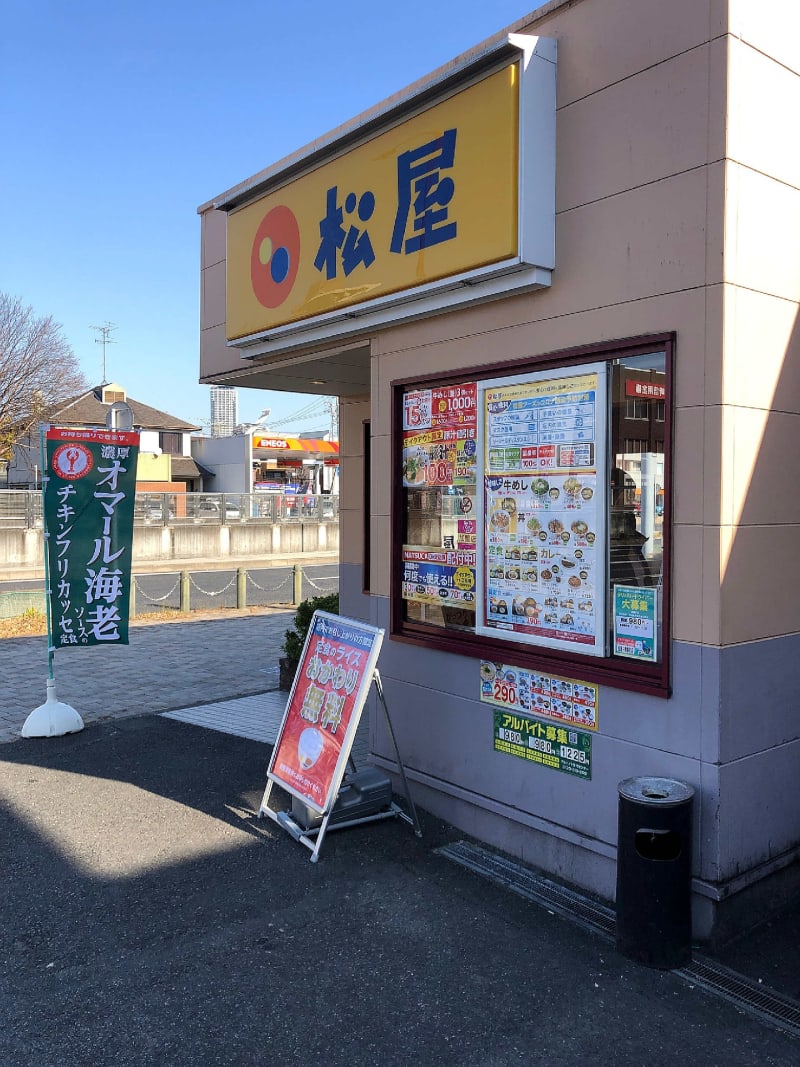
564 700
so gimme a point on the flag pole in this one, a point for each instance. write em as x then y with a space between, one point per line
53 718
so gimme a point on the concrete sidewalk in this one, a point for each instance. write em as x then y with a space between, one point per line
166 665
150 918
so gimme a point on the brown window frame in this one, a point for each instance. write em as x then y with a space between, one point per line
654 679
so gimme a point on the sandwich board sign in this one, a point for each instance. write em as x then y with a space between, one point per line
336 670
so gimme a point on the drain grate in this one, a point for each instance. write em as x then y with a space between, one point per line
523 882
748 996
759 1000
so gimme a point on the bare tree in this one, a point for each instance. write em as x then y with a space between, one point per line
38 371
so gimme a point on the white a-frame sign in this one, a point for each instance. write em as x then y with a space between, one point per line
312 750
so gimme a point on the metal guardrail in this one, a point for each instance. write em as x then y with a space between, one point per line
21 602
22 508
198 591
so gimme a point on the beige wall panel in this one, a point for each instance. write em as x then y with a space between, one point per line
717 229
213 231
626 135
762 94
351 538
710 584
214 356
382 475
351 513
717 101
351 483
502 331
759 208
380 555
714 466
761 449
212 306
642 243
689 471
606 41
352 414
687 584
770 26
761 583
351 491
762 351
710 369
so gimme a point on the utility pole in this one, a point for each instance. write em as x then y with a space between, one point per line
332 407
104 340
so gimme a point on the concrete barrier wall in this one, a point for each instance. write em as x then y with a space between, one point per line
23 549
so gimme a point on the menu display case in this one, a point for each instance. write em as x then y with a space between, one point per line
531 502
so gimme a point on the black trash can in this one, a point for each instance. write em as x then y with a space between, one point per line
654 856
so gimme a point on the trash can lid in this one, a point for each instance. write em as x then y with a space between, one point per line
661 791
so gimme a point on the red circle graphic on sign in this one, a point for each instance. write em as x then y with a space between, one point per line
275 256
72 461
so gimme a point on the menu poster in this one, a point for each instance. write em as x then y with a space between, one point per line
440 454
324 708
543 560
439 577
564 700
439 436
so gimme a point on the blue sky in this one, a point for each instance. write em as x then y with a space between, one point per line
119 120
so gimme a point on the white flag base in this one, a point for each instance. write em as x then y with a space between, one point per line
52 719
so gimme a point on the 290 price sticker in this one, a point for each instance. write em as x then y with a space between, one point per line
505 693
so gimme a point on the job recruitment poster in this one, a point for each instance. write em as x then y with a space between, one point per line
543 571
89 496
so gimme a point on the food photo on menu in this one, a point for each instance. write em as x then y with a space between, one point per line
545 521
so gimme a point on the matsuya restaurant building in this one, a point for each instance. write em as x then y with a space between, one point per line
554 287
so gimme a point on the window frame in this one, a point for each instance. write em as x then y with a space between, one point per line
617 673
173 439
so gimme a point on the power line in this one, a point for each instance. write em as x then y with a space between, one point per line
313 409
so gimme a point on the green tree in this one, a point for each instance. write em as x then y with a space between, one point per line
38 371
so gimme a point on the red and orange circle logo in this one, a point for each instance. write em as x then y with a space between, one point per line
275 256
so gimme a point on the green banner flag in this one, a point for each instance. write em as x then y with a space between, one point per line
89 495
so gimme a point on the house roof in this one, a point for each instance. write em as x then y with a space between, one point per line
89 410
186 467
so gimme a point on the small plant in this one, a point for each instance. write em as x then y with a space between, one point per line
294 640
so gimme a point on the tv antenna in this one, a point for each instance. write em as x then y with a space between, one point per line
104 340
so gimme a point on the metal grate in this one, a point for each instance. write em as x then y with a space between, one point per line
525 883
758 1000
749 996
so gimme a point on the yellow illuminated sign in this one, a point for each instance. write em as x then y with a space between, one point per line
432 197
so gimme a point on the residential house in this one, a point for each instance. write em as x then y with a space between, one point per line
165 460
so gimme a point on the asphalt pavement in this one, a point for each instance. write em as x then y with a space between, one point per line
150 918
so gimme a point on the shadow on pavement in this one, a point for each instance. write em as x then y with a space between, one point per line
149 918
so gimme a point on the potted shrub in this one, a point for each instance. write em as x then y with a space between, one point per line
294 640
